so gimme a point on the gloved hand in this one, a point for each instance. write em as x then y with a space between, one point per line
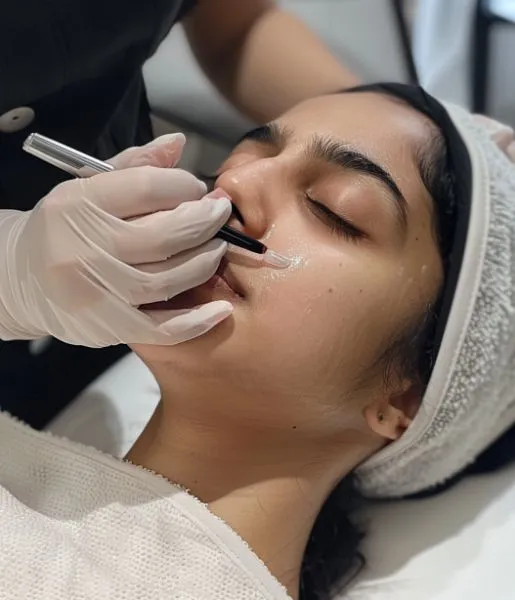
79 264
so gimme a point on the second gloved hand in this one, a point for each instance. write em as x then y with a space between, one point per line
81 262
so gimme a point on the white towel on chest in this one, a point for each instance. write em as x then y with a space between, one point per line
77 524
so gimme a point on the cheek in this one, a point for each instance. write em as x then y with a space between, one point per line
323 322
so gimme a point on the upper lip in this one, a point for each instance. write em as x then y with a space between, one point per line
224 273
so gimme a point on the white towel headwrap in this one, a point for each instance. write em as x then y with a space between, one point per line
470 399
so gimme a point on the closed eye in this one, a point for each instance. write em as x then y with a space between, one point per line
336 223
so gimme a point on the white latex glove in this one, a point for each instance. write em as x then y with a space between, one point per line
79 264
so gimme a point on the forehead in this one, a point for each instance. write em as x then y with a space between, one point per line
360 116
387 131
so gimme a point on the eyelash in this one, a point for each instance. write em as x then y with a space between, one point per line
337 224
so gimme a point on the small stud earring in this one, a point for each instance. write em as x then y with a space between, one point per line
380 417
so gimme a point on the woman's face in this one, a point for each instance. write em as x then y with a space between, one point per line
334 185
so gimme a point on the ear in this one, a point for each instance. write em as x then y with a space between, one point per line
390 417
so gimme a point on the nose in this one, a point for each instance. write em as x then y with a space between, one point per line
252 187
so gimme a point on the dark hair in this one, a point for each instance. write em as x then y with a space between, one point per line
332 557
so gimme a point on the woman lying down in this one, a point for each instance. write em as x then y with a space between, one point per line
381 360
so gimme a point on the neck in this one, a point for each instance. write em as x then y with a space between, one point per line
267 488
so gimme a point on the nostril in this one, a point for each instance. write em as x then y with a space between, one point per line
237 214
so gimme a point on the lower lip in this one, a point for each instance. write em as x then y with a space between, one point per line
213 289
219 284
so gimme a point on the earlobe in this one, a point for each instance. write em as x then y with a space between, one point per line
391 418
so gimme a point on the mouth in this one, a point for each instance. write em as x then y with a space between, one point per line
227 277
223 285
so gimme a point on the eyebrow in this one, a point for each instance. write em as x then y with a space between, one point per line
335 152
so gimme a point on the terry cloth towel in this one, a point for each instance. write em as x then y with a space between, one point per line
470 399
80 525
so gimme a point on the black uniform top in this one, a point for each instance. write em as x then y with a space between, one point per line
77 64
